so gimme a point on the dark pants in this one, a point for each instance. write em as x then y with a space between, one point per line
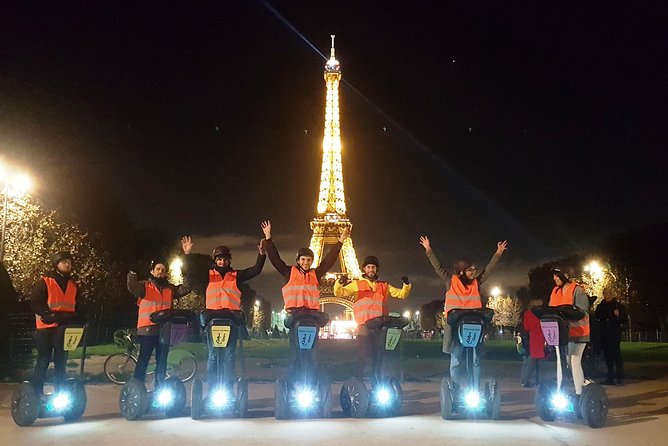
458 365
530 367
49 342
146 346
367 347
227 355
613 359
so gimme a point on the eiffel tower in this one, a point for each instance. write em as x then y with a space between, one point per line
331 216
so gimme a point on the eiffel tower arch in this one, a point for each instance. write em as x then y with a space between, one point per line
331 218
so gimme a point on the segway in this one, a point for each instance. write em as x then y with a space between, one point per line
384 395
168 395
222 327
303 393
69 398
468 400
550 400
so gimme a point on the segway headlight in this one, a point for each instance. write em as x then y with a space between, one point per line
165 397
220 398
472 399
383 396
61 401
305 398
559 401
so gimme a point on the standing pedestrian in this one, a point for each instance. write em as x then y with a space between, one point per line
536 345
612 318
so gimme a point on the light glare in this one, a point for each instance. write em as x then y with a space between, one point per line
61 401
305 398
472 399
220 398
165 397
559 401
383 396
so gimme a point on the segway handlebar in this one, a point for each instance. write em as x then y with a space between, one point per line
237 317
63 318
299 314
567 312
456 314
162 316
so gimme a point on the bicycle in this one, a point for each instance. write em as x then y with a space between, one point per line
120 367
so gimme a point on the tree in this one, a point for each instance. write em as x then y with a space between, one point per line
507 310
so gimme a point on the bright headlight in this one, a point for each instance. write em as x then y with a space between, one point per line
559 401
472 399
219 398
305 398
383 396
61 401
165 397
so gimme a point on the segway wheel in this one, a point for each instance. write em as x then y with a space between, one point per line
398 396
493 400
133 400
354 398
543 402
325 397
447 400
25 405
281 403
594 406
242 397
77 393
178 403
196 402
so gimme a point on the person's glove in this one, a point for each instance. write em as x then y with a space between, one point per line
404 279
343 280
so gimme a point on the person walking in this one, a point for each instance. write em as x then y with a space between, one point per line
612 318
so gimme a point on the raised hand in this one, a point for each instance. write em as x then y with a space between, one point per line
405 280
501 246
344 235
187 244
424 241
266 228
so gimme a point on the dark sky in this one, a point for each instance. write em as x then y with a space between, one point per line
542 123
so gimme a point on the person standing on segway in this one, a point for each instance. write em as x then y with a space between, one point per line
570 293
152 295
370 296
301 288
54 292
463 293
220 284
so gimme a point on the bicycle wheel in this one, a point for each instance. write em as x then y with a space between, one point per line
119 367
181 363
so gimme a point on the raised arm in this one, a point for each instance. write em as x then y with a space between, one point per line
333 254
272 251
135 286
343 288
248 273
400 293
435 263
500 248
195 271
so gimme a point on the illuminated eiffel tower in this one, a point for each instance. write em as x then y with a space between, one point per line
331 216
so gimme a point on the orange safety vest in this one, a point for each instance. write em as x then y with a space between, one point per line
565 295
302 290
370 303
57 300
222 293
462 297
153 301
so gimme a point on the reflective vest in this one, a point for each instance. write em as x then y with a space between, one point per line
153 301
57 300
222 293
462 297
370 303
301 290
565 295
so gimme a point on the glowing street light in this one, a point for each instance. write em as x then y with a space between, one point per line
407 314
14 185
496 291
595 270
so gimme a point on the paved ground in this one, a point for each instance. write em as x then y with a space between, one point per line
638 416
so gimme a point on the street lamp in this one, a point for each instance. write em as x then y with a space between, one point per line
595 270
15 185
496 291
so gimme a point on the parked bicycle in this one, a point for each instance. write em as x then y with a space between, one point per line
120 367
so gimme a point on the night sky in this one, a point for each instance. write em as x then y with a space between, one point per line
543 123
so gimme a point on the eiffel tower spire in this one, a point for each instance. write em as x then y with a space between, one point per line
331 216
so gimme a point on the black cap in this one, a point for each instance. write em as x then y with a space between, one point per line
221 251
158 262
60 256
371 260
462 265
